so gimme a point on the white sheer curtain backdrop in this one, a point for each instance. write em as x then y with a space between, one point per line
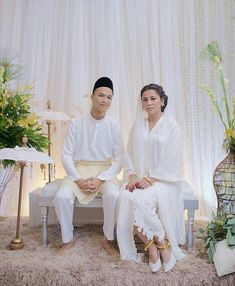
66 45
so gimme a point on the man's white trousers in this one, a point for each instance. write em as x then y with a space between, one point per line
64 205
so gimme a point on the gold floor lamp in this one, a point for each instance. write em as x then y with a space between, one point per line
49 117
22 155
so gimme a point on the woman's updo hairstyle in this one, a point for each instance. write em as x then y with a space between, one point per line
159 90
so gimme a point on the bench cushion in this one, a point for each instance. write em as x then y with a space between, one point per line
49 192
50 189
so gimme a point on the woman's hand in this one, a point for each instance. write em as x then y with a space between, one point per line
146 182
132 184
143 184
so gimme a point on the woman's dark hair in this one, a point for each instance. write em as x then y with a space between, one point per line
159 90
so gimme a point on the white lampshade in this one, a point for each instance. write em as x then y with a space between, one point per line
53 116
24 154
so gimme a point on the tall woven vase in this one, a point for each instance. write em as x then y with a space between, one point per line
224 184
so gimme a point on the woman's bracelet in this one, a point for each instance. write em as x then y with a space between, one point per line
148 180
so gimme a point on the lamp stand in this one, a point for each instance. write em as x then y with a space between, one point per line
17 242
48 122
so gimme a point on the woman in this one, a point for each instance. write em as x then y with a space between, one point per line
151 203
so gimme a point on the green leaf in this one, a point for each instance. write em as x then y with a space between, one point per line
211 233
233 229
230 216
201 230
230 239
231 221
210 253
212 244
208 241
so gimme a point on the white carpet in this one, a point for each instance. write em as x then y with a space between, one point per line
88 264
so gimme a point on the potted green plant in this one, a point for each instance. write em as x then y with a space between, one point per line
16 118
219 242
222 226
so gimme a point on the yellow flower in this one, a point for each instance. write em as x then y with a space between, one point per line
230 132
220 222
24 122
9 122
32 119
27 97
27 87
217 60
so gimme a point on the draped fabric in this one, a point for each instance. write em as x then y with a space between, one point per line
6 174
156 153
66 45
139 208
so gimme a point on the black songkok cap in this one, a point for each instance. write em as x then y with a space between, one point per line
103 82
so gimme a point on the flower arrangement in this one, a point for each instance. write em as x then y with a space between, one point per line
212 53
221 227
16 118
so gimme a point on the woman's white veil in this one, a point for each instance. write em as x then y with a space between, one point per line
135 159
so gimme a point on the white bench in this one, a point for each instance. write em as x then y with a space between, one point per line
46 201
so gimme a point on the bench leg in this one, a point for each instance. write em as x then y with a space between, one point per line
44 212
190 237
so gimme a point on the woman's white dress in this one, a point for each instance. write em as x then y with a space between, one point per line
157 210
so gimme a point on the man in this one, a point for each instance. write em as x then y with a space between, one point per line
92 157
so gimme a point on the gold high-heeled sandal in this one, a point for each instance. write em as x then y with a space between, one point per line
172 261
165 244
157 265
146 247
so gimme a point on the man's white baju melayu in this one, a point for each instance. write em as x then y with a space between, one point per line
93 148
157 210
